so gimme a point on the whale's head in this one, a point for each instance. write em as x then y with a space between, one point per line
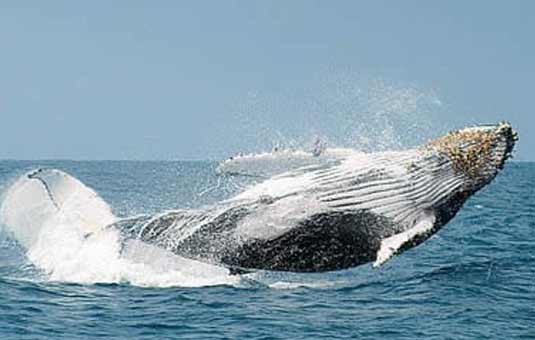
477 153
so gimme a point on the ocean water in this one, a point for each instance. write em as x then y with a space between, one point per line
475 279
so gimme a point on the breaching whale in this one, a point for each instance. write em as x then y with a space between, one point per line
340 212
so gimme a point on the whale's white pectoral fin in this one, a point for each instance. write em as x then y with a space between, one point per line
268 164
391 245
48 196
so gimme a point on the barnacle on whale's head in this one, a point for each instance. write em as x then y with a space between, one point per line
477 153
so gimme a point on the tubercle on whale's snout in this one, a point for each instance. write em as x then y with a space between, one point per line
477 152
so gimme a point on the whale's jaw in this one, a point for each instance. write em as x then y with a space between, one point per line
477 153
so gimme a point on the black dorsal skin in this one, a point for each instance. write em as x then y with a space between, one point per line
324 242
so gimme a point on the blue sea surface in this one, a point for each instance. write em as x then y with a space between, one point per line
475 279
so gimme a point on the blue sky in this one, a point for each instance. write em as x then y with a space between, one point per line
205 79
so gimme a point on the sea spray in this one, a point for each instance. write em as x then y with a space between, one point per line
51 223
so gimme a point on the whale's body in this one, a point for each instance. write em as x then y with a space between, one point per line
331 217
332 214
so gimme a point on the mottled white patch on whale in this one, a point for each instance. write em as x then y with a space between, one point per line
391 245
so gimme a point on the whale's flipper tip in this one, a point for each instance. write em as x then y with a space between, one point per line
239 271
33 174
43 198
395 244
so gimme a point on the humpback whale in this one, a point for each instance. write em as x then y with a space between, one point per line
322 214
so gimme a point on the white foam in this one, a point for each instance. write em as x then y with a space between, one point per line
283 285
101 258
69 247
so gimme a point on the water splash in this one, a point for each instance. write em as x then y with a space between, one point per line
344 109
52 224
